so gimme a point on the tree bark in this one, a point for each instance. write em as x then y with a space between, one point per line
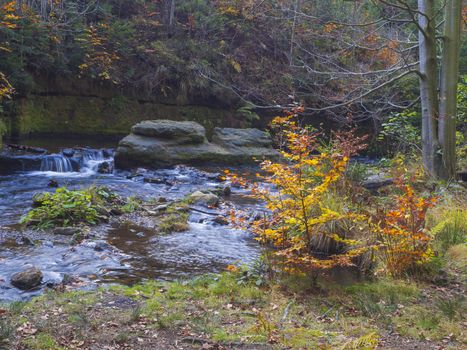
429 86
170 8
448 88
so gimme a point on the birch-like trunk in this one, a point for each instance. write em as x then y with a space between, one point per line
448 88
429 86
170 17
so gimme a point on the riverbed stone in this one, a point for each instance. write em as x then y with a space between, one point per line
183 132
27 279
159 143
65 231
104 168
38 198
206 199
68 152
220 220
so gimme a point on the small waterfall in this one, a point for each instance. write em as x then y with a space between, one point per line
57 163
91 159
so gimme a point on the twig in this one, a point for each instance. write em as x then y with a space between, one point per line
286 312
203 212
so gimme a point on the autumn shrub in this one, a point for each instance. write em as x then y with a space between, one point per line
401 230
304 215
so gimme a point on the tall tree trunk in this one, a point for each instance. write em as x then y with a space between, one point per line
448 87
429 86
170 12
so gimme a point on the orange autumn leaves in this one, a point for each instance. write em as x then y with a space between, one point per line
295 194
402 234
296 213
8 20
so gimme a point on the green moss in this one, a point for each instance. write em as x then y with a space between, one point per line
174 218
42 341
422 323
3 131
72 207
102 116
173 223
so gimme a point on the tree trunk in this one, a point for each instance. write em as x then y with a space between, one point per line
448 88
429 86
170 16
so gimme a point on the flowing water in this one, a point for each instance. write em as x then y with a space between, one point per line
122 253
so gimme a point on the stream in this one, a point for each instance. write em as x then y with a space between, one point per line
121 253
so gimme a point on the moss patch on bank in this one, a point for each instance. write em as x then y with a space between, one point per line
87 115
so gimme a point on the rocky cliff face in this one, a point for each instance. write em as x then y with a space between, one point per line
83 107
102 116
159 143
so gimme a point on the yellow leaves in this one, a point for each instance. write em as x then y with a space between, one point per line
8 16
330 27
100 55
55 39
235 65
5 87
294 194
232 268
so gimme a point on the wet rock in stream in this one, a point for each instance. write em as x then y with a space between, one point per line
104 168
66 231
220 220
53 183
206 199
27 279
156 143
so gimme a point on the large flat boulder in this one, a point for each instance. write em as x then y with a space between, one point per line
245 144
159 143
181 132
142 151
240 138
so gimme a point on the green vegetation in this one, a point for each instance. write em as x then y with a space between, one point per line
217 309
72 207
174 218
451 229
176 222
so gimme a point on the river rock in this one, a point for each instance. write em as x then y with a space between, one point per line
227 191
52 183
154 180
220 220
68 152
183 132
159 143
206 199
65 231
10 163
104 168
375 182
27 279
